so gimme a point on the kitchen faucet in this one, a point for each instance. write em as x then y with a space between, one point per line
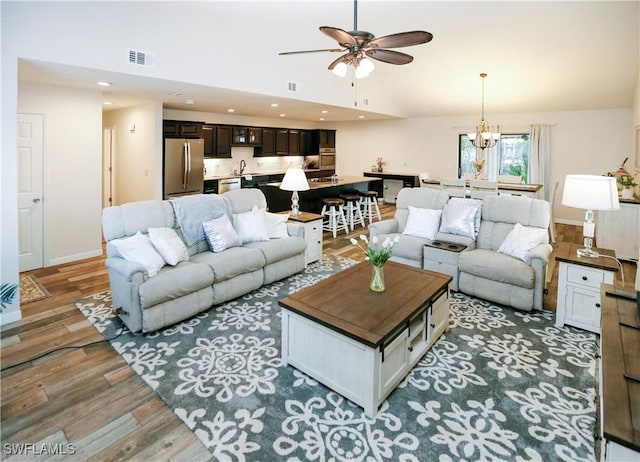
243 165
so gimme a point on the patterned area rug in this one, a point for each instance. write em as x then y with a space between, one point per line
31 289
499 385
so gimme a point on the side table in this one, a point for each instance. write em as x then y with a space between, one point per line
579 280
312 223
442 257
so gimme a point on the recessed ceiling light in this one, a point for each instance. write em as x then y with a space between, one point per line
324 111
361 117
189 101
282 115
321 118
274 104
231 110
104 84
107 103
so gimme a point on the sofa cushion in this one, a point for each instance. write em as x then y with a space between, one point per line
278 249
139 249
422 222
496 266
231 262
169 245
427 198
220 234
409 247
174 282
521 240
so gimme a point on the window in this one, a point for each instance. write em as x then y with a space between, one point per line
509 157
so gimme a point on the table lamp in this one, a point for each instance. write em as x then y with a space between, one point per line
590 192
294 180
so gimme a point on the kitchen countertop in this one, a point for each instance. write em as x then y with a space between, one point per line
342 180
267 172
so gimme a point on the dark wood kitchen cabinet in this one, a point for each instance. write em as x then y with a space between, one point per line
246 136
179 129
268 143
309 142
217 141
327 138
287 142
282 142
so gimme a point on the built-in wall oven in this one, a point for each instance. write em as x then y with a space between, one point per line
327 159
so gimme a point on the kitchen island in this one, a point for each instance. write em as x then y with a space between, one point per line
319 188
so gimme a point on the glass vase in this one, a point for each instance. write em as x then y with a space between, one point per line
377 279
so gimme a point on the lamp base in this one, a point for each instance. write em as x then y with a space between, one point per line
295 213
587 253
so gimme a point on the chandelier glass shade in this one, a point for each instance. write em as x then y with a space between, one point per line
484 137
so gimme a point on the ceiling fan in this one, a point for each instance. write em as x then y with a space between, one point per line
359 45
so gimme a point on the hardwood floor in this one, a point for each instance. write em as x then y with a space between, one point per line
88 396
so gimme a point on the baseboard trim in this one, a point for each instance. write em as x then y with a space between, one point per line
76 257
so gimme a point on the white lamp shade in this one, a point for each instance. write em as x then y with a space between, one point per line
294 180
590 192
340 69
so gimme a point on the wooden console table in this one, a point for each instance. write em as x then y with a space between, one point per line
620 378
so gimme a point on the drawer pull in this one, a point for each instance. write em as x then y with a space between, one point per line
597 305
584 278
410 348
433 326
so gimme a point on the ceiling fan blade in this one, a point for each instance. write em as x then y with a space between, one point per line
310 51
401 39
389 56
344 38
341 59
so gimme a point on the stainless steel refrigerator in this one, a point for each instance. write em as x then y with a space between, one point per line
183 166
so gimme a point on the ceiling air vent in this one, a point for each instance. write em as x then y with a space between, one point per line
140 58
292 87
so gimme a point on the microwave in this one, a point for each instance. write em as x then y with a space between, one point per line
327 159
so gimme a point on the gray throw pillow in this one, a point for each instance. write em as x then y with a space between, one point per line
220 234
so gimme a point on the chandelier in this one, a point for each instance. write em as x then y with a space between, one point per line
484 138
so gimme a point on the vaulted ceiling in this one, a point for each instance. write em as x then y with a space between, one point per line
539 56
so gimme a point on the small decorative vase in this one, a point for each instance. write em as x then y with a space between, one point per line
627 193
377 279
379 168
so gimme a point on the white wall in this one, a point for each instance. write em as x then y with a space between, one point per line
138 154
593 142
72 169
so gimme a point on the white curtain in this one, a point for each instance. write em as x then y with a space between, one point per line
539 158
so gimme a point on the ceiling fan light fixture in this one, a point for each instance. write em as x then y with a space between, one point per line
340 69
364 68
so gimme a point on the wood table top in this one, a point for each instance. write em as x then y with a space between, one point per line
620 341
344 303
604 263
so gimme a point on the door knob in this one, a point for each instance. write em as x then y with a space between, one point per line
36 200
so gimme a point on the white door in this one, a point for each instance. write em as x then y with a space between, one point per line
30 181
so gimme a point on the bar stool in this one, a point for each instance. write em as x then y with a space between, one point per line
333 209
352 210
369 202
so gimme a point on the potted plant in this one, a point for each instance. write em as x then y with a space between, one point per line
627 183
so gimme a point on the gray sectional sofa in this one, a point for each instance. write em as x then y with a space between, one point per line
204 278
487 267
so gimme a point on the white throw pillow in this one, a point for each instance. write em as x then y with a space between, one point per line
459 219
169 245
521 240
220 234
138 249
422 222
250 226
276 224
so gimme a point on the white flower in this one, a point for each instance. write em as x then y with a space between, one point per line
374 239
386 243
396 239
353 241
364 238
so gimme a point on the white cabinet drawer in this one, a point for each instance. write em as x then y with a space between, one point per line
585 276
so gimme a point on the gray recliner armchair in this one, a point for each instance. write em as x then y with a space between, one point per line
498 277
